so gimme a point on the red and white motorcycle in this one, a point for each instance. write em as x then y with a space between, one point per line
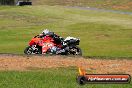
46 45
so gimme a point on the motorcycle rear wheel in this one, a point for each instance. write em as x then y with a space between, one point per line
75 50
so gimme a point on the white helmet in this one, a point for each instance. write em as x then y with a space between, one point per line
46 31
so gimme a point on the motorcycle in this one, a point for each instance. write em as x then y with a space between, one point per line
39 45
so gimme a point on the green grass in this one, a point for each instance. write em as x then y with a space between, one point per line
101 33
49 78
125 5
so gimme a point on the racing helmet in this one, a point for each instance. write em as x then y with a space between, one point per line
45 31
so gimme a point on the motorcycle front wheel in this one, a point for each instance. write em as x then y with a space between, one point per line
28 50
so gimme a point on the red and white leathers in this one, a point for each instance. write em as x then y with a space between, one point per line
48 43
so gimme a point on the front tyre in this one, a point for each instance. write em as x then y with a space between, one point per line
28 50
75 50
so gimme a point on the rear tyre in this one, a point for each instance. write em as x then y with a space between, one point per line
28 50
75 50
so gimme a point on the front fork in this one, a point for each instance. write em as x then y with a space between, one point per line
34 47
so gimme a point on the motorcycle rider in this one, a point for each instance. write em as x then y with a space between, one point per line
59 48
57 39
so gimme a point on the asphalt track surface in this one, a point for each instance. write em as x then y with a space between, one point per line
100 10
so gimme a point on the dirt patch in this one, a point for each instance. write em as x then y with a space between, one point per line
22 63
124 6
